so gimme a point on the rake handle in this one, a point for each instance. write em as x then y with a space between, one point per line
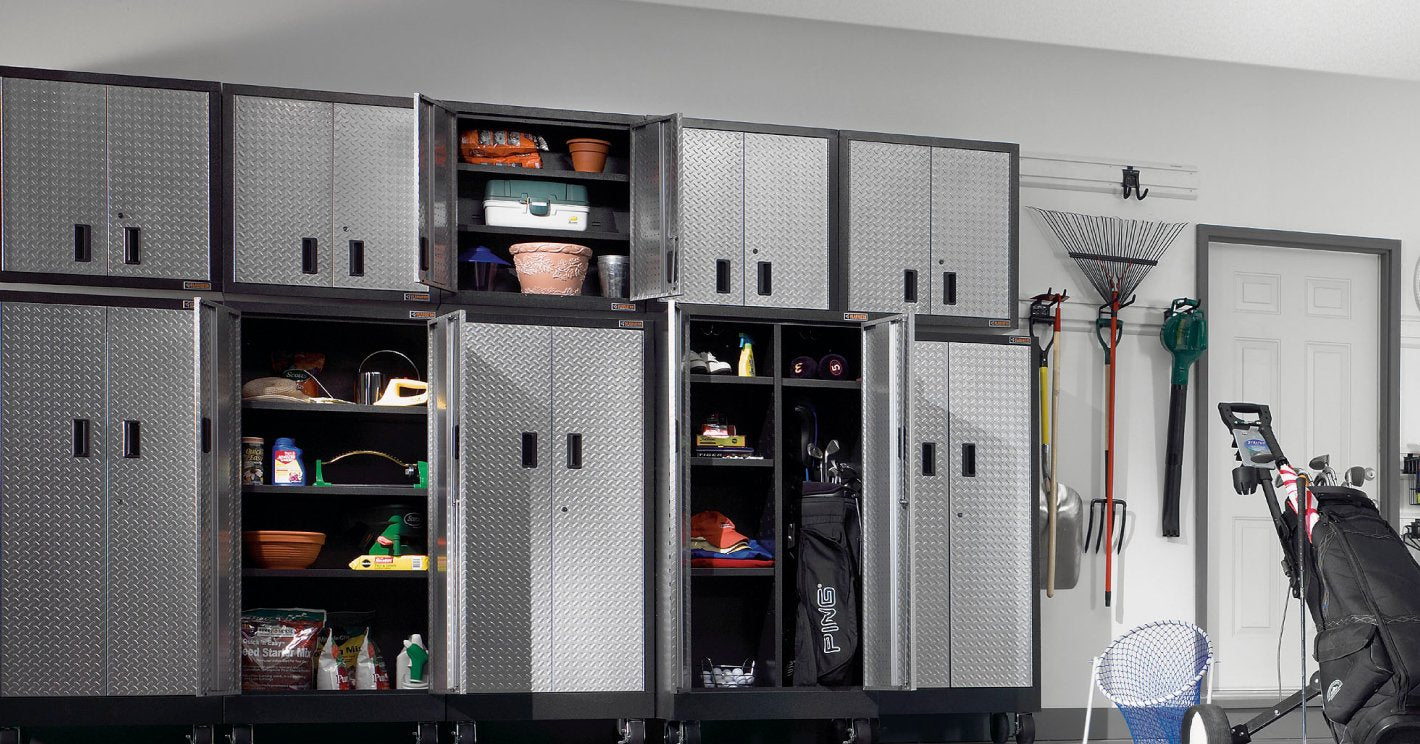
1109 452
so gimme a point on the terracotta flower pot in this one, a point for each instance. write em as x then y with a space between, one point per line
588 155
551 268
281 549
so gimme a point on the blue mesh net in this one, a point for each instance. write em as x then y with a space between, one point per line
1154 673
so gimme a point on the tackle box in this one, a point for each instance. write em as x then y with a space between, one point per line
549 205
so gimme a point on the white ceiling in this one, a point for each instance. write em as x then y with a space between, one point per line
1360 37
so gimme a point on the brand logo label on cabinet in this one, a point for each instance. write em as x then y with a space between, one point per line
855 316
1022 340
999 323
416 296
625 307
203 286
421 314
630 324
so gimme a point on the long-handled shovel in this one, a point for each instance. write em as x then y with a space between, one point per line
1185 334
1041 314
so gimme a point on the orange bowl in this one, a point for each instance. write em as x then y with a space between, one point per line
282 549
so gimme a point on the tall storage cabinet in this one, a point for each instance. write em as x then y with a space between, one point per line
539 438
929 226
754 217
118 502
323 193
105 180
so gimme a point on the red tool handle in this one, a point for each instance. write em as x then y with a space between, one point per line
1109 451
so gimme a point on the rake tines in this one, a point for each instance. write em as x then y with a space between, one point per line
1114 254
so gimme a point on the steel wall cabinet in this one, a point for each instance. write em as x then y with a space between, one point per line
754 221
323 192
973 596
929 226
106 183
546 427
118 504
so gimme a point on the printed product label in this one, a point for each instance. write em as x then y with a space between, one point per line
285 468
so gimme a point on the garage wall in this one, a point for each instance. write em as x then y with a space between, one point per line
1275 149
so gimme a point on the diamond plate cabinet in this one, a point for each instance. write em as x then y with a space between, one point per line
547 430
117 507
929 226
754 220
323 191
106 183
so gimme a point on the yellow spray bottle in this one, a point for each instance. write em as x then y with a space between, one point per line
746 367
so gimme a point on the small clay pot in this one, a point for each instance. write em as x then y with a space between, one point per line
588 155
551 268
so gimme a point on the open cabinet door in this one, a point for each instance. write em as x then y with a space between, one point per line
655 208
435 169
887 504
217 356
445 582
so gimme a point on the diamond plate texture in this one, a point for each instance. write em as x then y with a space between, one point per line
889 225
931 519
51 503
373 196
205 359
159 174
505 537
225 669
445 595
282 189
53 175
786 220
598 615
436 193
655 172
712 219
971 231
153 557
886 605
992 592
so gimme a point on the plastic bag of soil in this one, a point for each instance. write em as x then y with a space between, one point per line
279 648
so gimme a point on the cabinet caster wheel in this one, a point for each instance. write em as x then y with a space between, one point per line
858 731
10 736
682 732
1025 728
465 732
633 731
240 735
1000 728
426 733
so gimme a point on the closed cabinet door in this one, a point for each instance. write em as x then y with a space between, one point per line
153 567
598 506
992 503
375 231
712 219
159 183
889 226
282 191
52 459
785 221
972 233
931 517
53 180
505 460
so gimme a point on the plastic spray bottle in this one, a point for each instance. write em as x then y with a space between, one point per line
411 665
746 367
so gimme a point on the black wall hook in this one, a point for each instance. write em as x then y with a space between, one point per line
1131 183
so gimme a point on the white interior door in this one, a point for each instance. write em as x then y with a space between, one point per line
1297 330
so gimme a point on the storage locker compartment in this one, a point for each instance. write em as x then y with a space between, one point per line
747 408
732 615
721 337
814 343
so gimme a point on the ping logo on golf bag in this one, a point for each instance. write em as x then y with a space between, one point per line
827 600
1333 690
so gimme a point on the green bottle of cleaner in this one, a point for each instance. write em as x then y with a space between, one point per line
409 671
746 367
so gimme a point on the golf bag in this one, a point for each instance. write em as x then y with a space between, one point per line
827 562
1362 589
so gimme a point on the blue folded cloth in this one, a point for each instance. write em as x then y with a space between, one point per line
755 552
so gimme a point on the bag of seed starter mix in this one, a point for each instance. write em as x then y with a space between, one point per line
279 648
331 672
370 670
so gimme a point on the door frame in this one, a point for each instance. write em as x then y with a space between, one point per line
1387 470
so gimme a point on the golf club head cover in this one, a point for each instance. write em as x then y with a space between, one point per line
802 367
833 367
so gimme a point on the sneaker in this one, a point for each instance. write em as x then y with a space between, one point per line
716 366
695 363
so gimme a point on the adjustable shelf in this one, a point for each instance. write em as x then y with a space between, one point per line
794 382
328 573
560 236
543 173
378 490
334 408
702 379
760 571
730 462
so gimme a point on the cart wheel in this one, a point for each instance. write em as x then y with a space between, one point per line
682 732
240 734
10 736
465 732
1000 728
633 731
1025 728
860 731
426 733
1206 724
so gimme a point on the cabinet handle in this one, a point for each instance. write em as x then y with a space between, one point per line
357 258
133 245
574 451
766 278
968 460
308 255
206 435
81 437
949 288
529 449
83 243
423 253
722 276
929 458
909 285
131 434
